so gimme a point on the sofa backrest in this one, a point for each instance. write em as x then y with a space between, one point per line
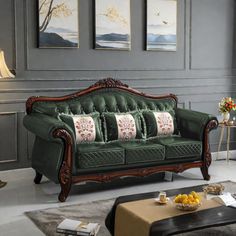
105 96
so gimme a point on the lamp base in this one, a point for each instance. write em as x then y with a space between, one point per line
2 184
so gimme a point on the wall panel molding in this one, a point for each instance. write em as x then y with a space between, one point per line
14 35
13 101
205 68
58 89
14 158
157 79
180 73
29 67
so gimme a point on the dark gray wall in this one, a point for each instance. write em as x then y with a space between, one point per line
200 72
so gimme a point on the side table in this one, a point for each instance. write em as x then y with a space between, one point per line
228 127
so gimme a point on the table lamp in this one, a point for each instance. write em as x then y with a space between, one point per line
4 71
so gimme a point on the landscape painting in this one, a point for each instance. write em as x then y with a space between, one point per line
58 24
161 25
112 24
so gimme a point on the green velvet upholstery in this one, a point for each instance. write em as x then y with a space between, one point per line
97 158
99 155
47 151
145 152
47 157
191 124
43 125
178 147
104 100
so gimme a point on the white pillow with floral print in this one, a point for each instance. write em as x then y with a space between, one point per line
84 128
165 123
126 126
158 123
87 127
123 126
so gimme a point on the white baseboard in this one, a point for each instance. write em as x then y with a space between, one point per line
223 155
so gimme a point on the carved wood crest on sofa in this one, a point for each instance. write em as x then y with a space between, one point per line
59 156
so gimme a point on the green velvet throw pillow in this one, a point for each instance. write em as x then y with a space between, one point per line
87 127
159 123
123 126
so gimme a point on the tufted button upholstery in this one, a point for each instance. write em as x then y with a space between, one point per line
112 100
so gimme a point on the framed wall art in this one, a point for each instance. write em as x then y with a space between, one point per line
161 25
58 25
112 24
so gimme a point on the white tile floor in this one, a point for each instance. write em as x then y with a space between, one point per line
22 195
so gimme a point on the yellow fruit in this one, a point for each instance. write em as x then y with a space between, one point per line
178 200
194 194
185 201
191 197
197 201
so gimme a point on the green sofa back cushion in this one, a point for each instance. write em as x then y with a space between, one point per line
123 126
159 123
87 127
105 100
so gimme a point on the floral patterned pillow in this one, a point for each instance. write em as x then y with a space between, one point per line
159 123
87 127
126 126
165 124
123 126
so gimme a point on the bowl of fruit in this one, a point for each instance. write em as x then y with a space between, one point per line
188 202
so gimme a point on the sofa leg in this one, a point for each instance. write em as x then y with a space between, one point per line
65 180
65 189
38 178
204 170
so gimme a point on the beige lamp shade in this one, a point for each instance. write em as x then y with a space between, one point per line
4 71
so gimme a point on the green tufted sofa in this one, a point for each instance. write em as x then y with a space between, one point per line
57 155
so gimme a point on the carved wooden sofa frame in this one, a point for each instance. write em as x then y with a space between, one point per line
65 174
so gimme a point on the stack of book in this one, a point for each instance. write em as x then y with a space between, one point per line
76 227
225 198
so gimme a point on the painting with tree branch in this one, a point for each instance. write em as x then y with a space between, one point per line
58 23
112 24
161 25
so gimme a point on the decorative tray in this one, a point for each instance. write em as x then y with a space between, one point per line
215 189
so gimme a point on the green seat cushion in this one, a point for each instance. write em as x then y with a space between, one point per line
123 126
95 155
178 147
136 152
